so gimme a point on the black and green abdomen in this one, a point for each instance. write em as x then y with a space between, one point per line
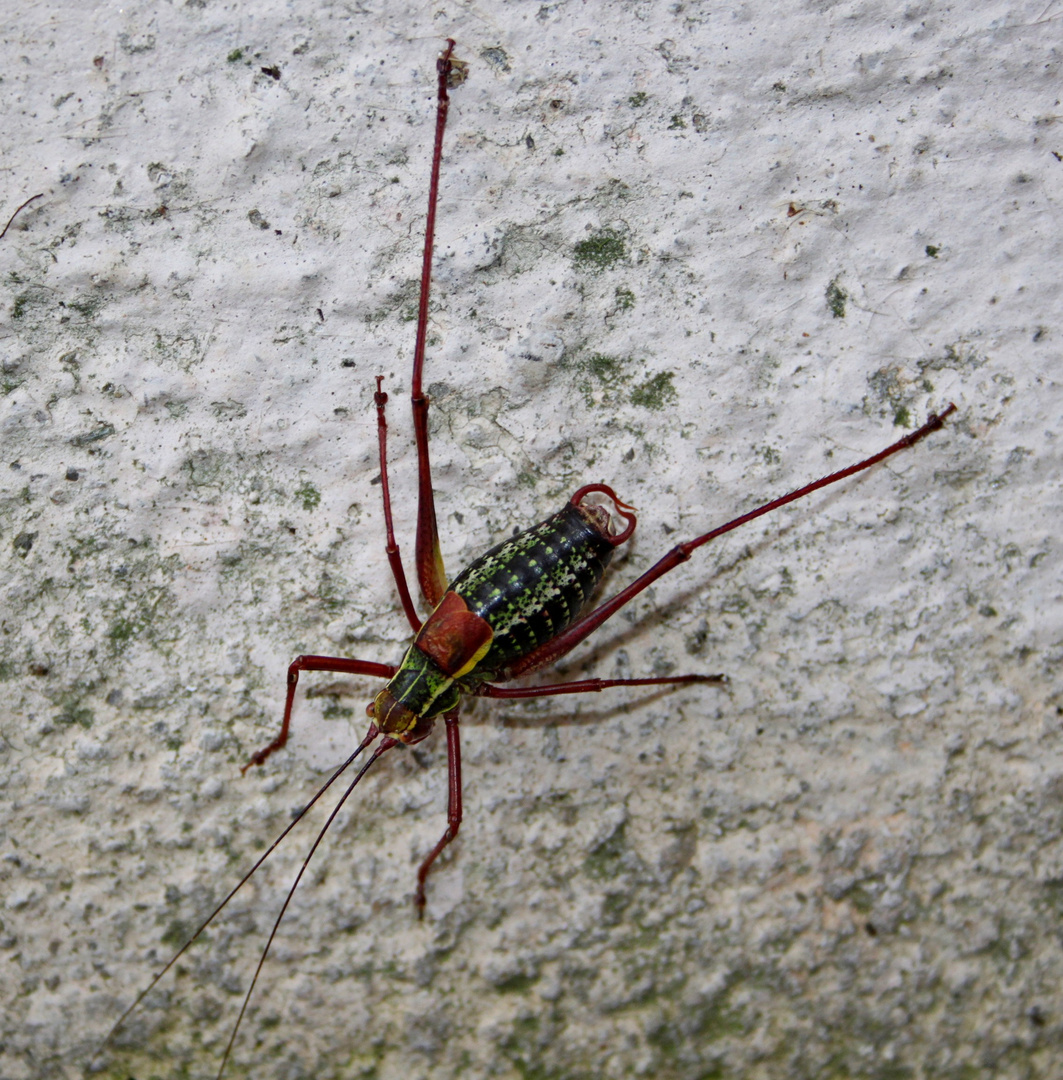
533 586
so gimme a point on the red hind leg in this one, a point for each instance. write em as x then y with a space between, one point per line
553 650
430 572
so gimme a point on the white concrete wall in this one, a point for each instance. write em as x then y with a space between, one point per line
849 863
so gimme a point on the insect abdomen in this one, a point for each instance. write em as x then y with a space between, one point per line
531 587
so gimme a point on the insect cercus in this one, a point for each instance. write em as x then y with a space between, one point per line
516 609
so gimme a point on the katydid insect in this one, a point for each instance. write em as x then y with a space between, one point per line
514 610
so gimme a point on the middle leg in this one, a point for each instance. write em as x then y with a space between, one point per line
590 686
392 549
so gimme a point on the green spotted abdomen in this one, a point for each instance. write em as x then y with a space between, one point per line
533 586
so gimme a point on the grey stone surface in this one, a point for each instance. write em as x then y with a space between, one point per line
704 253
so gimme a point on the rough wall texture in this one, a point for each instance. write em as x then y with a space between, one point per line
703 252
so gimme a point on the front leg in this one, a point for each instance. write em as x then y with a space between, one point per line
339 664
453 806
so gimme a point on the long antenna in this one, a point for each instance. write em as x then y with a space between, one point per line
373 732
387 744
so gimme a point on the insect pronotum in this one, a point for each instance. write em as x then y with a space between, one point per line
516 609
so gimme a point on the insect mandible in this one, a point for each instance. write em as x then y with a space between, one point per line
516 609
